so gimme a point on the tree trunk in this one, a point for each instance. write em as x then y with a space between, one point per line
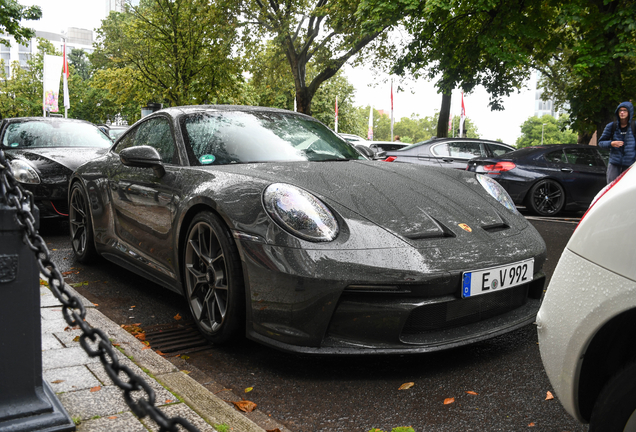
444 114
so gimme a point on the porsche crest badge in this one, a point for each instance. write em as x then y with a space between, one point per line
465 227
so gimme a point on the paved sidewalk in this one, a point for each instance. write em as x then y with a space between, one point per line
92 400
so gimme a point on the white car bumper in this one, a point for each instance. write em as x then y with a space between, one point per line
570 317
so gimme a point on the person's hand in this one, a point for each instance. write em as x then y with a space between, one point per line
616 143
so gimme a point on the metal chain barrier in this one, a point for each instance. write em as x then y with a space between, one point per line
93 340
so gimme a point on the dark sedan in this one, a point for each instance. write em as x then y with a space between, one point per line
274 227
548 179
448 152
43 152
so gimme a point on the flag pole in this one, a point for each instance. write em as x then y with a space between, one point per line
392 110
336 113
65 74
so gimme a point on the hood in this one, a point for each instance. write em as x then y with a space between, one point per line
630 110
413 201
48 160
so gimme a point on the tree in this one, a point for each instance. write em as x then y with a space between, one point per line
273 86
78 59
545 130
467 43
181 51
322 33
594 68
11 14
21 94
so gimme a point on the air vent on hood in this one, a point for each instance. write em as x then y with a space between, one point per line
442 231
495 227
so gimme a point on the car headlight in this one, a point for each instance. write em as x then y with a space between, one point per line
497 191
24 172
300 213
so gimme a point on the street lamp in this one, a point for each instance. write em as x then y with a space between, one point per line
542 128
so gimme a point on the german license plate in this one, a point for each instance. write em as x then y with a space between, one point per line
496 278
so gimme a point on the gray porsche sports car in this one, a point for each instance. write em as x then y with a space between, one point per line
272 226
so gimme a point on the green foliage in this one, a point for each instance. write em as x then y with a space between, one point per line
11 13
273 86
553 131
21 93
222 427
179 51
397 429
321 36
594 68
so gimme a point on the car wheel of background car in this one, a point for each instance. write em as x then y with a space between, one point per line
546 198
615 408
213 279
81 226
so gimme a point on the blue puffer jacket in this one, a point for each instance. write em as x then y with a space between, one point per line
626 154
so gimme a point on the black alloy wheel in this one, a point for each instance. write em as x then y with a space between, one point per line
213 279
546 198
82 240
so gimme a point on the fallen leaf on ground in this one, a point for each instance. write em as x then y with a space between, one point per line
470 392
531 424
177 317
245 405
160 353
96 388
187 372
168 400
57 381
112 417
449 401
76 339
43 282
549 396
406 386
249 389
184 357
273 430
95 304
141 336
145 348
133 306
115 344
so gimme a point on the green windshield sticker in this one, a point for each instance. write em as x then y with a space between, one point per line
207 159
14 144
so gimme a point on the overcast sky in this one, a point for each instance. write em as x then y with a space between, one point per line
418 98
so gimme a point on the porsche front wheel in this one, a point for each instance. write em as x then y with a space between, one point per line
81 227
213 280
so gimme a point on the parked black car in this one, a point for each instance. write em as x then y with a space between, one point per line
550 178
43 152
448 152
274 227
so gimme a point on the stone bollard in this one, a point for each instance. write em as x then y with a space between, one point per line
26 402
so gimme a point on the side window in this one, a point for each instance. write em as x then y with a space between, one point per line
587 157
556 156
154 133
465 150
440 150
498 150
604 155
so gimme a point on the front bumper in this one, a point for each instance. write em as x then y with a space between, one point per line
339 302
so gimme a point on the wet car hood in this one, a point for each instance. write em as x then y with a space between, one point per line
413 201
46 159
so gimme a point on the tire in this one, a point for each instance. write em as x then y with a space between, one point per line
546 198
79 216
213 279
615 408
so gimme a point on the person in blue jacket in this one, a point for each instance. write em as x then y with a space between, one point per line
618 136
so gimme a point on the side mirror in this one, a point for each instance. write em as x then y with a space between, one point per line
143 157
366 151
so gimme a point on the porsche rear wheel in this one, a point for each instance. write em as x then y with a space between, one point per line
546 198
81 227
213 279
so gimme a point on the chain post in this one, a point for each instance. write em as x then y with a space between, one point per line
17 203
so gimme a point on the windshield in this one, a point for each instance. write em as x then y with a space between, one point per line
42 134
221 138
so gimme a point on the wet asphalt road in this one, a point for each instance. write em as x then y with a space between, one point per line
353 393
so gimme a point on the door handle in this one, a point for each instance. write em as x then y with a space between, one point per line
567 170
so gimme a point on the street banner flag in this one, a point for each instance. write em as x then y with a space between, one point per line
51 82
450 122
65 74
392 111
370 133
336 114
462 117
